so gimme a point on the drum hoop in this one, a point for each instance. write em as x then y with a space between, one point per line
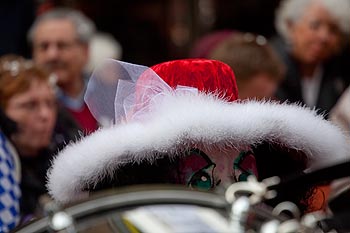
132 197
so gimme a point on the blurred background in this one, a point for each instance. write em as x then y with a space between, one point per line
149 31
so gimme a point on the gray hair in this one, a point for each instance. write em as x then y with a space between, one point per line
85 28
292 10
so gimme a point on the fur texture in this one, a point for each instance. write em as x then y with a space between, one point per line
182 122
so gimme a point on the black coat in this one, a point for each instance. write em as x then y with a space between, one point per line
335 79
34 169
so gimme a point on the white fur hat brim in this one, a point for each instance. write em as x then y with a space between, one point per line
181 122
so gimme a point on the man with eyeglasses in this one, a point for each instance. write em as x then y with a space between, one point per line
60 40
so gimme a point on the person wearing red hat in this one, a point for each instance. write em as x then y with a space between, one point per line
179 122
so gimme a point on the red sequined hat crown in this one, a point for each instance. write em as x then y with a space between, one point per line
206 75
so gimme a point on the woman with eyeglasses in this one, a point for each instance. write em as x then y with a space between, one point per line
27 97
312 34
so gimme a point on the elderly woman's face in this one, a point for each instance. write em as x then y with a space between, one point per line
35 113
315 36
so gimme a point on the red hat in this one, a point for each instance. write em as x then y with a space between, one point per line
117 90
208 76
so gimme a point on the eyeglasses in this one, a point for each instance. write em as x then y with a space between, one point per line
15 66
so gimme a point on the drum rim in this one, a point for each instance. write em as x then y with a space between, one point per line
135 196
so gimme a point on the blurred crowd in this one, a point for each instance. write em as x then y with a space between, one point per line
42 104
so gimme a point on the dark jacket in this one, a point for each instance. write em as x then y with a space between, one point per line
334 81
34 169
